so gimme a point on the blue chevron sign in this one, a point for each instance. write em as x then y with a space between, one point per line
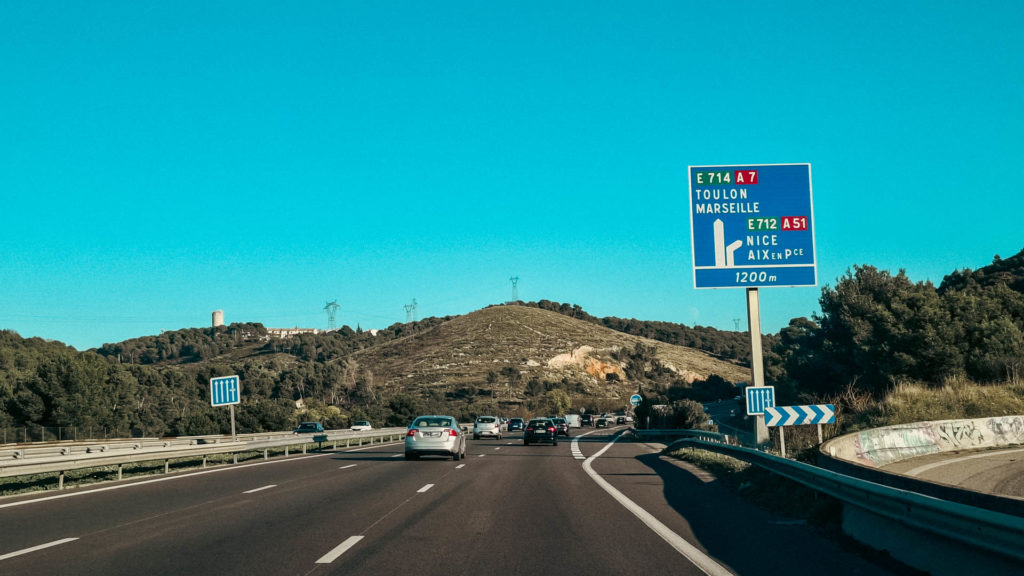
797 415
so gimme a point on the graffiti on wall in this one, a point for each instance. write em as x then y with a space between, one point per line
1006 430
961 434
883 446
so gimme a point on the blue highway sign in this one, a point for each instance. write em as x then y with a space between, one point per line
759 398
797 415
225 390
636 399
752 226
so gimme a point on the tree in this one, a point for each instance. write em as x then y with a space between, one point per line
534 387
689 415
556 401
403 409
877 327
515 377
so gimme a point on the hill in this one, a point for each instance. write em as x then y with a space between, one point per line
478 350
508 360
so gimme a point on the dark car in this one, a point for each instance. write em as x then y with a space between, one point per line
561 425
516 424
601 423
540 430
309 428
586 420
620 420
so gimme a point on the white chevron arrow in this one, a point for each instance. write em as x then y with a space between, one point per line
795 415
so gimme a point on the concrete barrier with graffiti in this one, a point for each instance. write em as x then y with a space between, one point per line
880 446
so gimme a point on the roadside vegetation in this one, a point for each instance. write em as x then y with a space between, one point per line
883 350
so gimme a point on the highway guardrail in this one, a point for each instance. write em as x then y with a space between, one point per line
61 458
927 533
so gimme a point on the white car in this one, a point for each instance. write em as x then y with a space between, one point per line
487 426
361 426
435 436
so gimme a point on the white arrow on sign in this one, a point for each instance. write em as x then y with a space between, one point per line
797 415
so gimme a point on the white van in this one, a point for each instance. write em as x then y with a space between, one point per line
573 420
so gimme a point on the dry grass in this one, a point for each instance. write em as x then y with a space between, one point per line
957 398
461 352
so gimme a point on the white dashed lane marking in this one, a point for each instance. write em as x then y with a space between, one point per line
37 548
339 550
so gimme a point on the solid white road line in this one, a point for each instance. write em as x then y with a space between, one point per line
691 552
254 490
927 467
35 548
339 550
425 488
349 466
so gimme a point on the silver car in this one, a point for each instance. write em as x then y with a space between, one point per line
487 426
435 436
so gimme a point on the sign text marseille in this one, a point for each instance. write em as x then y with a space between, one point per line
752 226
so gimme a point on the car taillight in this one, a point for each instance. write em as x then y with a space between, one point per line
453 432
551 429
411 432
529 428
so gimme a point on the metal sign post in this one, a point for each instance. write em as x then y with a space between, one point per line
756 359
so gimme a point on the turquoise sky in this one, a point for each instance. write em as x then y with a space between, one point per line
161 160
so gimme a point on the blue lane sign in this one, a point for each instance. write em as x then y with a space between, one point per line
636 399
752 226
797 415
759 398
225 390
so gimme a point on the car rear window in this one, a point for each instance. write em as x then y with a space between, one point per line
485 420
431 423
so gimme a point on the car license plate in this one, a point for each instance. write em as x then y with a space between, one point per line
432 434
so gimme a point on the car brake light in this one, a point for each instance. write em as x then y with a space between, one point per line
411 432
453 432
551 429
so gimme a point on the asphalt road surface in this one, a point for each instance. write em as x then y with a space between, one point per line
595 506
991 471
